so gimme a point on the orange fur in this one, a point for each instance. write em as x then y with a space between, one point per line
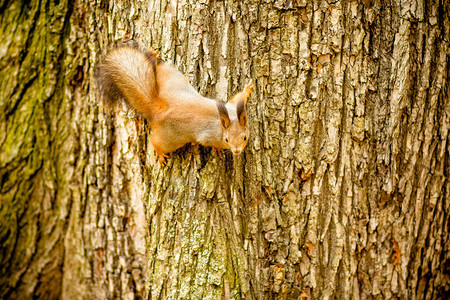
243 95
178 114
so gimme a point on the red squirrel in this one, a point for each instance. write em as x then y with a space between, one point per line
177 113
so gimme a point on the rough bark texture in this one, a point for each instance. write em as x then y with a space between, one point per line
34 141
72 214
343 190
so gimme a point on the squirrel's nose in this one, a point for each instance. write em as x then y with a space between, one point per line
236 151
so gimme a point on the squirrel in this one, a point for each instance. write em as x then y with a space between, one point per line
177 113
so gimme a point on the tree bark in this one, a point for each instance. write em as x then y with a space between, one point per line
342 191
34 141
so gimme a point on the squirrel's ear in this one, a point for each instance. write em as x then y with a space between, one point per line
247 90
241 112
242 96
223 113
152 53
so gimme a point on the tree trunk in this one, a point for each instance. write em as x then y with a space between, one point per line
72 212
342 191
35 192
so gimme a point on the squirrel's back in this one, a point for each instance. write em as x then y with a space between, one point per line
130 73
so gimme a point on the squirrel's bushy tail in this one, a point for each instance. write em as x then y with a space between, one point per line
130 73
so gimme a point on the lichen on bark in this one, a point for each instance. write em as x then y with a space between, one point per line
342 190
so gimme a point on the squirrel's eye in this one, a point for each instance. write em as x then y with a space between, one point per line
245 137
226 140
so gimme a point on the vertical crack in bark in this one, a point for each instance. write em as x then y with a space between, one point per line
358 95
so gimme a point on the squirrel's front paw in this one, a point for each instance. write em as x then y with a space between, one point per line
217 151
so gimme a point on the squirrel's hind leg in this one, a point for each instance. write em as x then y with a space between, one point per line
161 156
158 146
